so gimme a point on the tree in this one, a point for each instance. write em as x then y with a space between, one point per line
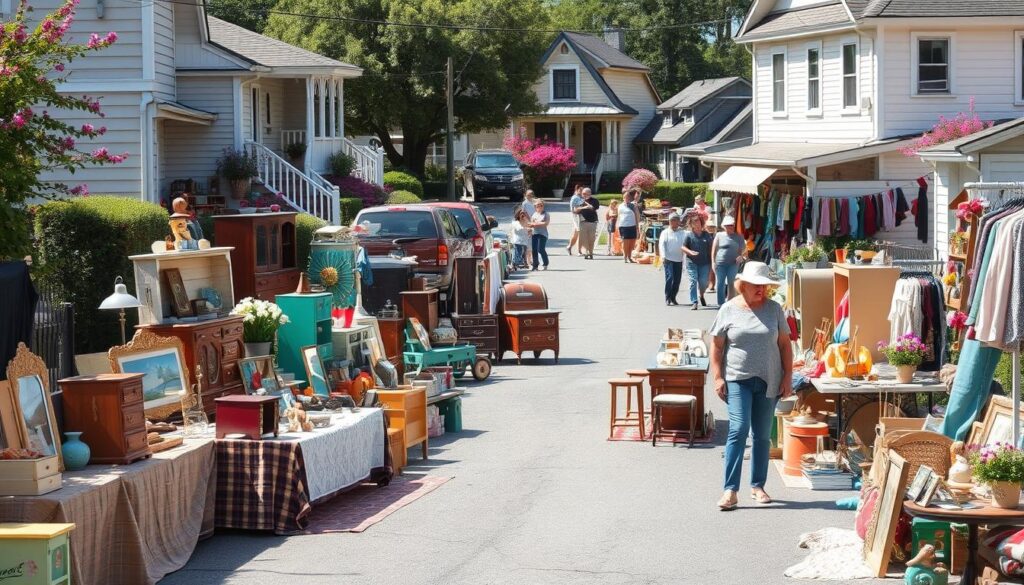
250 14
32 65
403 85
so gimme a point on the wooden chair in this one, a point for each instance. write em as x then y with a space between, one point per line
641 374
663 401
629 384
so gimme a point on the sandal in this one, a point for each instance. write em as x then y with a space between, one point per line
761 498
727 502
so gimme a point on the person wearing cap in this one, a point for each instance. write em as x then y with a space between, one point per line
670 248
752 368
728 250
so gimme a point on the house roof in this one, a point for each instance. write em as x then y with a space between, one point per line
800 21
262 50
718 141
802 154
606 53
698 91
934 8
585 110
656 133
998 132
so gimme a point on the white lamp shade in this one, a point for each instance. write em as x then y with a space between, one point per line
120 299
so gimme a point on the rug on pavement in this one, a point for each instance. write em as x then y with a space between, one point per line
835 554
362 507
632 433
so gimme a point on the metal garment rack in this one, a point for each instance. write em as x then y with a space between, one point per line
1016 187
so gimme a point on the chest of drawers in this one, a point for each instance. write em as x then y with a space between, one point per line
107 409
533 331
480 330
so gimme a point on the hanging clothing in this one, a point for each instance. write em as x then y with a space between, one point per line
970 392
870 216
901 206
17 312
888 211
905 313
854 216
825 221
921 218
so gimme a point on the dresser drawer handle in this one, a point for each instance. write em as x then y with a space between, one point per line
526 338
550 320
551 337
478 332
527 322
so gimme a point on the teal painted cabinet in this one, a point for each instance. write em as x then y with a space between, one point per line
35 554
309 323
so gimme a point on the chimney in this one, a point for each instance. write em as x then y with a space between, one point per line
615 37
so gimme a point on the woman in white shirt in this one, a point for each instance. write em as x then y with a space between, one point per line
627 225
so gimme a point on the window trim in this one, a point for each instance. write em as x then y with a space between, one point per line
815 46
855 107
683 117
551 83
915 58
783 113
1018 67
668 119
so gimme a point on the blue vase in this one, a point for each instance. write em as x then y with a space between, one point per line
75 453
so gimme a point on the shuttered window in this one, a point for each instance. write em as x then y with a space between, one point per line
779 82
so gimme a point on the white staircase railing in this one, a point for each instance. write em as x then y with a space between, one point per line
369 161
297 188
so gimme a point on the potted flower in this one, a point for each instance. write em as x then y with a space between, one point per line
1001 466
239 167
260 321
906 353
958 243
296 152
806 256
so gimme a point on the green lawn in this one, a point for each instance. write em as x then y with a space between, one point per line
606 198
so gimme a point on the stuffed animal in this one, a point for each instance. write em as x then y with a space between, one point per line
297 420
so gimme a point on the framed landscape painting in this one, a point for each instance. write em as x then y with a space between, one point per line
161 362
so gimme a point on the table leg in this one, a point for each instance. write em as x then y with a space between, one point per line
971 567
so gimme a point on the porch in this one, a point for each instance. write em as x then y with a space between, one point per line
597 142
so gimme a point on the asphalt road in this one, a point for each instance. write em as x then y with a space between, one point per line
538 495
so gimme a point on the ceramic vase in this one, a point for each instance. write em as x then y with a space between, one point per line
925 576
256 349
905 374
75 453
1005 494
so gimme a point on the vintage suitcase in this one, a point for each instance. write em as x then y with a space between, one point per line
523 296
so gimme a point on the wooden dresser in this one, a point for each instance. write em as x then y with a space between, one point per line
480 330
407 410
264 256
214 345
108 410
421 304
535 331
680 380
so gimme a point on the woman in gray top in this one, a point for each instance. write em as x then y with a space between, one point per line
752 367
727 251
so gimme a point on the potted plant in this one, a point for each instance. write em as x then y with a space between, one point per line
906 353
1001 466
260 322
296 152
864 250
958 243
239 167
806 256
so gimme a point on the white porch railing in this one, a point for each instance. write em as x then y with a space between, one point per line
292 137
369 161
301 191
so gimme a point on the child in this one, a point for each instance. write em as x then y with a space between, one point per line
519 234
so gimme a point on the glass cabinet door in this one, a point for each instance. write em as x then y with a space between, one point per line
261 247
274 244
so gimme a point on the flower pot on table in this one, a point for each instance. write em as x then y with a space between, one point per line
905 374
1005 494
240 188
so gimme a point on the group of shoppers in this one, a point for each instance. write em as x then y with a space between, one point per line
583 206
702 255
528 233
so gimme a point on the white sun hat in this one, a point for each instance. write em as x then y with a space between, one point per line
728 220
757 273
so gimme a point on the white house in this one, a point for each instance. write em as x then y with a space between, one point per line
840 85
594 98
179 86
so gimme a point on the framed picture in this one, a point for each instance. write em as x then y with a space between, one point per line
882 528
917 485
997 425
161 360
315 371
29 388
258 372
421 332
929 490
180 305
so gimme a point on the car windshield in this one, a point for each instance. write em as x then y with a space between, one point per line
495 161
465 219
398 224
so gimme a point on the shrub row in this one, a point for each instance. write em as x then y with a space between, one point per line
680 194
402 198
399 181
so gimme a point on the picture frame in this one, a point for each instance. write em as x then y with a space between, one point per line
926 495
180 304
161 360
29 386
315 372
421 332
918 484
286 400
258 372
882 527
997 424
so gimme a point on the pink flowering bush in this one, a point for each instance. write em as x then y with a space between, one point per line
32 65
642 179
998 462
960 125
547 163
906 351
356 188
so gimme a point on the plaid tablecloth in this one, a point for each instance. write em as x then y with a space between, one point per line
266 485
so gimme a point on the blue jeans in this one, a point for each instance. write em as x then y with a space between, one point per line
519 255
673 276
540 243
750 409
725 274
698 275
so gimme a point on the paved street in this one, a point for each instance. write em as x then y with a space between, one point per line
538 495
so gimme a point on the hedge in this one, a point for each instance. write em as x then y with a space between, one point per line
402 198
680 194
305 225
399 181
83 244
350 207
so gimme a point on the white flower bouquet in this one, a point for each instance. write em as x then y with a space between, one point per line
261 319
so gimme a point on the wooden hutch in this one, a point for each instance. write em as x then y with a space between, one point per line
264 258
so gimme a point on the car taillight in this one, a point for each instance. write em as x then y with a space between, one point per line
478 245
442 255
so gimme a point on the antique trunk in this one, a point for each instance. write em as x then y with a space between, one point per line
523 296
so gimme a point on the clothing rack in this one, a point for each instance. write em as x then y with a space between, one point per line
1015 187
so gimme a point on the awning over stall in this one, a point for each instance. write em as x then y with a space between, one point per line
741 179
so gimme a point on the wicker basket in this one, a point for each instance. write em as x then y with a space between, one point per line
922 448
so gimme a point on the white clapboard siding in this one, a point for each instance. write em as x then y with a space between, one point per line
192 150
982 68
834 124
189 53
632 89
590 91
163 35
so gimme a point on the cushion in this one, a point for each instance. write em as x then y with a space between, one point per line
675 399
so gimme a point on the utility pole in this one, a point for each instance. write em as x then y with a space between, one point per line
449 150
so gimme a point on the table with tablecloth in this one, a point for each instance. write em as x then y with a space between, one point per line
271 484
134 523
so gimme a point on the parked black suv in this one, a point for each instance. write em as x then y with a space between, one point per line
492 172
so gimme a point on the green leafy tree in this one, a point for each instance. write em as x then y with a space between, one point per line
250 14
32 65
404 83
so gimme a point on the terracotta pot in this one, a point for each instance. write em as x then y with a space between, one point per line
905 374
1005 494
841 255
240 188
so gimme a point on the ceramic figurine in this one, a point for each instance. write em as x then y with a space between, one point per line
179 226
923 570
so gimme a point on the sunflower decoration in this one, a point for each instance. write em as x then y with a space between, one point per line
335 271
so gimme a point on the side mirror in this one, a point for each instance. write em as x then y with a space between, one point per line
492 223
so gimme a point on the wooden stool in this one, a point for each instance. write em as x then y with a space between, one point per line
665 400
629 384
629 397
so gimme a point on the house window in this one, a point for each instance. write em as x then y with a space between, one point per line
564 84
850 75
1019 67
814 79
667 120
933 66
254 114
686 114
266 112
778 82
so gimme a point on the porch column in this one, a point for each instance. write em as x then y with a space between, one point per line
329 108
309 122
321 107
566 127
341 107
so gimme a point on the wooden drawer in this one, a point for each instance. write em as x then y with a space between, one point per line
476 321
539 322
542 338
232 332
478 331
131 393
134 420
136 441
484 345
230 374
269 285
231 351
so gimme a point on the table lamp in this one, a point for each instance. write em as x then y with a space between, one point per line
120 300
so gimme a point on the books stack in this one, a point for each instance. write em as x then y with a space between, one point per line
824 478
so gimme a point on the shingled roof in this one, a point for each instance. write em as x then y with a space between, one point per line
605 52
262 50
804 20
934 8
698 91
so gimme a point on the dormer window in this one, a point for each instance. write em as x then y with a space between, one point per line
686 115
667 120
565 84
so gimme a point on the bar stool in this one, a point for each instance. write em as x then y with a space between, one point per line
663 401
629 384
642 374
